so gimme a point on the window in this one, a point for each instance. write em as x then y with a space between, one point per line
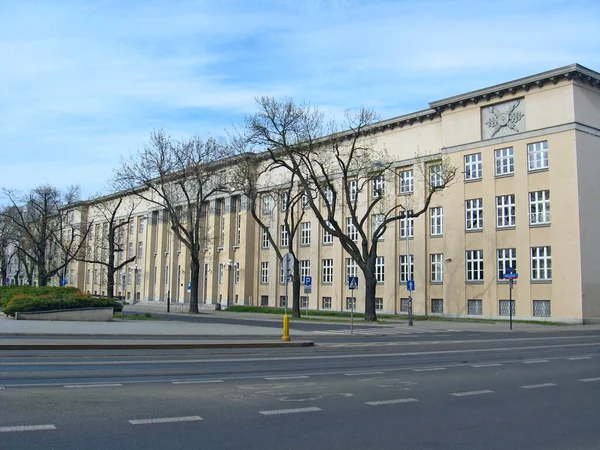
351 269
474 265
326 302
265 239
350 303
378 304
327 236
474 214
435 176
376 221
304 269
406 271
304 301
328 195
404 305
352 190
305 200
264 272
284 239
221 267
537 155
436 221
407 225
505 211
351 230
130 250
474 307
327 271
285 200
473 167
167 275
505 161
305 233
138 276
503 307
437 267
407 180
89 276
264 300
236 272
541 308
539 207
507 257
541 263
378 186
140 250
131 228
238 234
282 277
437 305
282 301
268 204
222 212
380 269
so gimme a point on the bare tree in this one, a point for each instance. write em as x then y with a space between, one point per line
46 235
7 249
106 247
346 175
180 177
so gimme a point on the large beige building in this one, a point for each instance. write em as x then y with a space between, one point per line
528 159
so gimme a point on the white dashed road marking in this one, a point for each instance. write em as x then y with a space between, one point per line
587 380
196 381
292 377
165 420
356 374
391 402
466 394
290 411
486 365
27 428
536 361
92 385
430 369
535 386
577 358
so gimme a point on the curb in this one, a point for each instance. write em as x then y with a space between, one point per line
125 345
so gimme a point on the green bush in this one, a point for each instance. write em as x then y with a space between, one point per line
7 293
63 300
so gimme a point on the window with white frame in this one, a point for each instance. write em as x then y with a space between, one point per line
304 269
238 234
351 269
376 221
505 211
222 211
305 200
437 267
327 236
537 155
380 269
327 271
328 194
351 230
541 263
304 301
236 272
474 214
140 224
284 239
140 249
435 176
265 239
264 272
474 265
407 181
138 276
473 167
378 186
507 257
352 190
350 302
539 207
326 302
305 233
378 304
407 268
282 277
285 200
407 225
436 221
221 269
268 204
505 161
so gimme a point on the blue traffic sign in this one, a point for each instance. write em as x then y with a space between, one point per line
189 286
307 281
353 283
63 282
410 285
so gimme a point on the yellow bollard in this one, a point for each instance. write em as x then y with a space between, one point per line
286 328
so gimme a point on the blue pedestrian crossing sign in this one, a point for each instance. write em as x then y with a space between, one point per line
307 281
353 283
410 285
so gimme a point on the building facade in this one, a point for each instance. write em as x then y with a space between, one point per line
528 158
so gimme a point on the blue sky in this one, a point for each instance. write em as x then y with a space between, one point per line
83 82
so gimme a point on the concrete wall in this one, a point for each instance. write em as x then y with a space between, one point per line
70 315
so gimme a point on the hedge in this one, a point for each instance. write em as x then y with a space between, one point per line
28 303
7 293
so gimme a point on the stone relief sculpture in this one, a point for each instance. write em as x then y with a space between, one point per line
503 119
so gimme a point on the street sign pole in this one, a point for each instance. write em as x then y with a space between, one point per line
510 288
408 274
511 274
352 284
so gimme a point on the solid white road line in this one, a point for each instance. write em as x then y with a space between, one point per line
535 386
391 402
536 361
290 411
587 380
430 369
357 374
196 381
577 358
92 385
165 420
291 377
466 394
27 428
486 365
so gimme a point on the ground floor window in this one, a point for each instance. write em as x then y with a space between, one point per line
282 300
304 301
350 303
541 308
264 300
437 305
503 307
378 304
404 305
326 303
474 307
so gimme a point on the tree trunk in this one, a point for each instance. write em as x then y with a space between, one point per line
195 282
296 289
110 283
370 286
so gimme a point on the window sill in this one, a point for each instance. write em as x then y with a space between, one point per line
540 281
327 244
219 248
403 194
236 246
436 283
505 175
543 169
304 245
540 225
510 227
474 282
410 238
436 236
473 180
477 230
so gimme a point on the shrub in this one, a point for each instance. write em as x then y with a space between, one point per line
7 293
49 302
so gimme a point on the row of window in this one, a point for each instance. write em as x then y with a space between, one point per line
537 159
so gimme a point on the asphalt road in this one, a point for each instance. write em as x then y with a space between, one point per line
520 392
